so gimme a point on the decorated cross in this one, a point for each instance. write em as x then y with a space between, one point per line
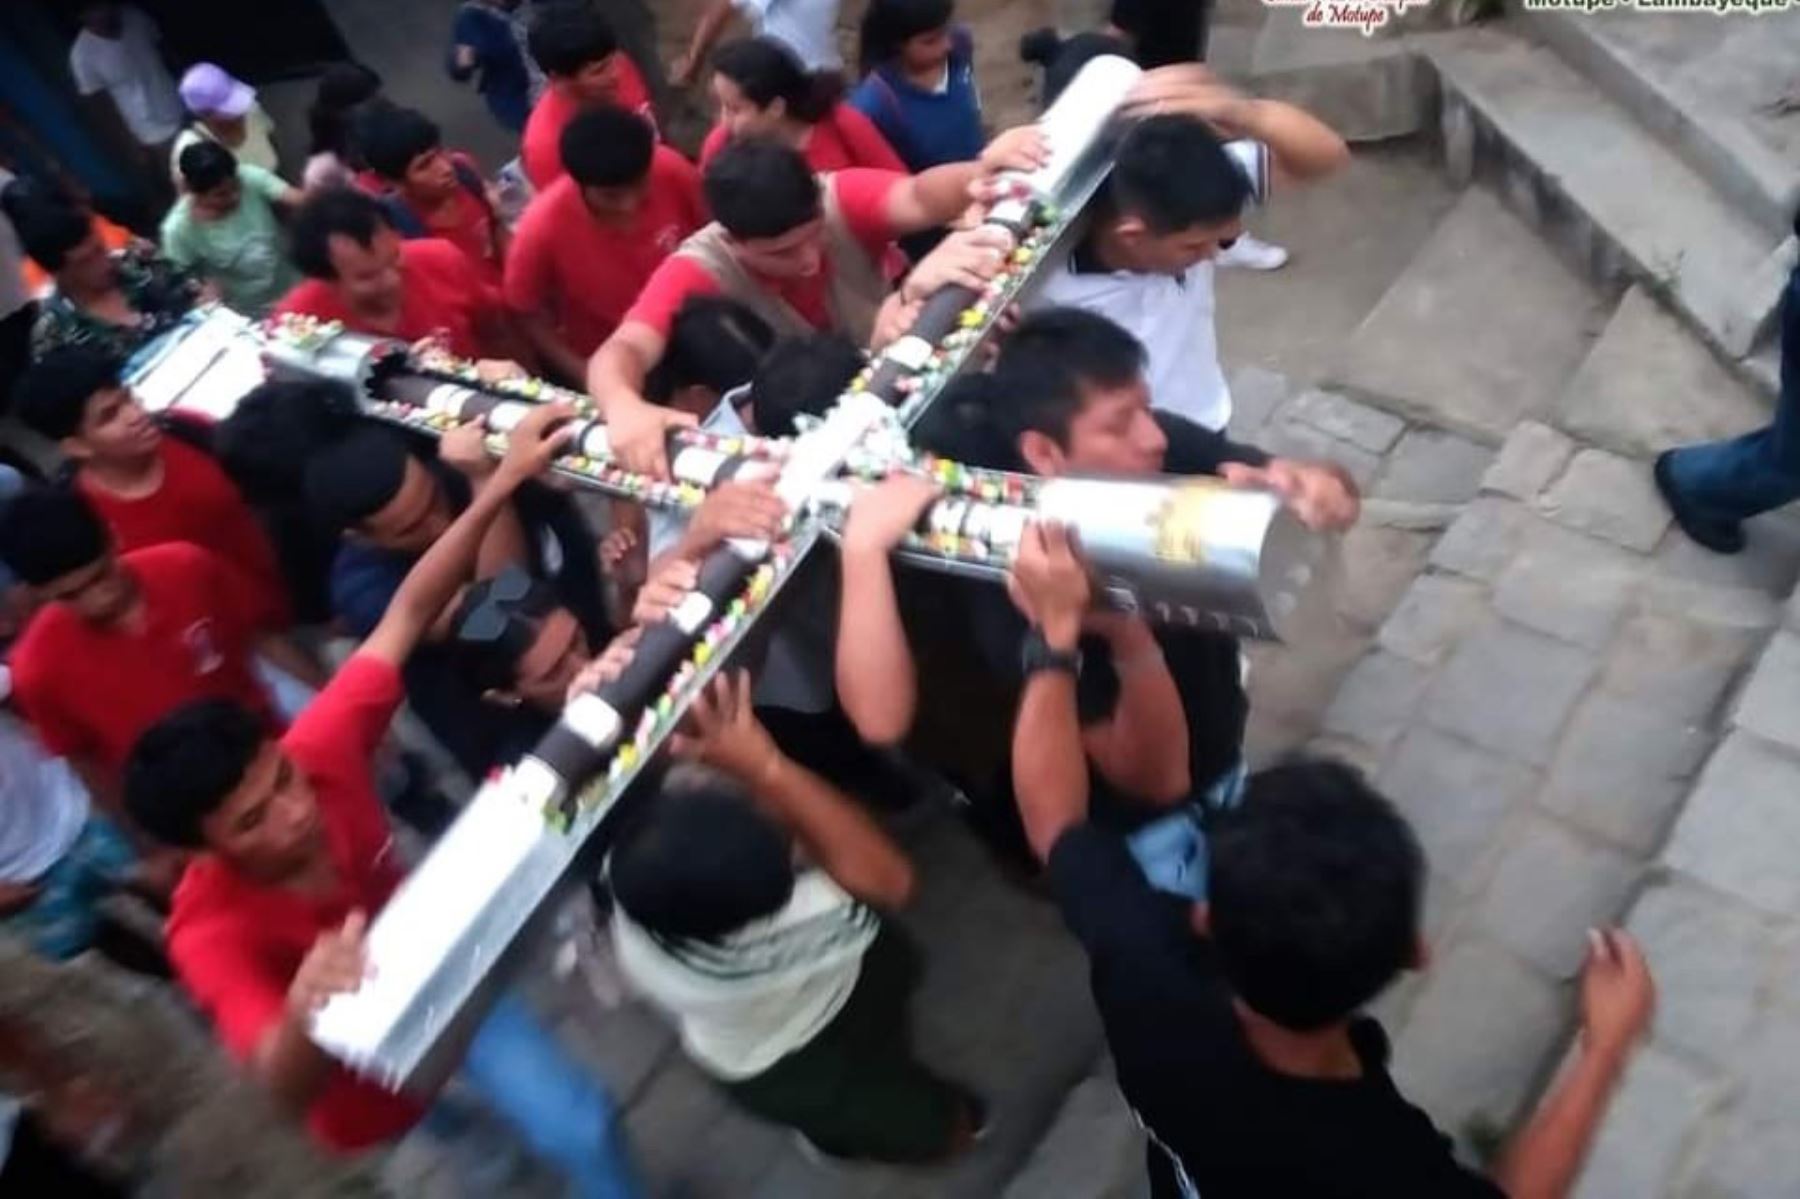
1186 552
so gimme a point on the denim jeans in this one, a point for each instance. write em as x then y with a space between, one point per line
1730 481
1172 851
517 1068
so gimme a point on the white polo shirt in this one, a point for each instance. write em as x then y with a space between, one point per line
807 27
1171 314
130 68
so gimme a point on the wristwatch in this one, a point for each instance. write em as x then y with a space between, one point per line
1036 654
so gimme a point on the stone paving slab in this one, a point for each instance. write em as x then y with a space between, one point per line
1520 323
1610 496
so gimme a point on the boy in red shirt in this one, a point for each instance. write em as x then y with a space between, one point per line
806 253
123 639
432 192
147 486
579 53
586 245
294 856
359 271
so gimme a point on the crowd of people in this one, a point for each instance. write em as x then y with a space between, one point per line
212 626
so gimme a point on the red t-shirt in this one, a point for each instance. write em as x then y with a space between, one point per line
441 292
196 503
95 691
468 224
540 148
844 139
862 197
237 943
585 274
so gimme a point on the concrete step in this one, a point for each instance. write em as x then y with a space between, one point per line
1580 167
1367 88
1715 90
1482 330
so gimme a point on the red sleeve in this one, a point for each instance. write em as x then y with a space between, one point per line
528 279
34 673
634 95
457 284
684 178
229 979
309 297
715 141
229 589
350 716
864 141
239 536
666 290
862 196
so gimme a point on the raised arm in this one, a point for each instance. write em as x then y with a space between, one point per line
940 195
434 579
1617 998
1143 748
1050 586
724 733
875 677
1303 147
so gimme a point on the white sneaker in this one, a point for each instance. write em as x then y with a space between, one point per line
1253 254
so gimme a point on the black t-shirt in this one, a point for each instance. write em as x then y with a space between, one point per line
1218 1119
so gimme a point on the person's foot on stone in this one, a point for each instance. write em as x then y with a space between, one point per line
1721 537
1253 254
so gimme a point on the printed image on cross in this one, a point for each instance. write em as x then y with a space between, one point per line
1188 551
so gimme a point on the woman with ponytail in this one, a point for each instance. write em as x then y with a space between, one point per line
919 82
763 91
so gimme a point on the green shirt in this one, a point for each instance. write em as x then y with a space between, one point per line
241 252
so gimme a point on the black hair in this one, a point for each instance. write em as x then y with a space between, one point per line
333 212
51 397
567 35
1061 59
355 477
802 376
47 532
714 342
1173 172
888 24
206 164
697 865
49 220
388 138
279 426
1315 886
759 188
765 70
187 764
1047 361
342 87
961 425
606 146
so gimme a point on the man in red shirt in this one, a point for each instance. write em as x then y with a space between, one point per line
587 244
806 253
431 192
359 271
293 856
579 53
148 487
123 639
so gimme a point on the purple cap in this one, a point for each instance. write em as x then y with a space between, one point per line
209 90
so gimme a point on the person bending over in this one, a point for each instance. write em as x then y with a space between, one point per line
1163 710
804 253
787 987
589 242
1236 1023
293 857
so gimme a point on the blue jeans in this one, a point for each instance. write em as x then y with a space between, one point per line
520 1071
65 917
1731 481
1172 851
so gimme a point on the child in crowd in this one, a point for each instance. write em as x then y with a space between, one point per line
225 113
226 227
763 91
580 55
427 190
806 27
487 44
589 242
918 82
331 161
787 986
293 856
